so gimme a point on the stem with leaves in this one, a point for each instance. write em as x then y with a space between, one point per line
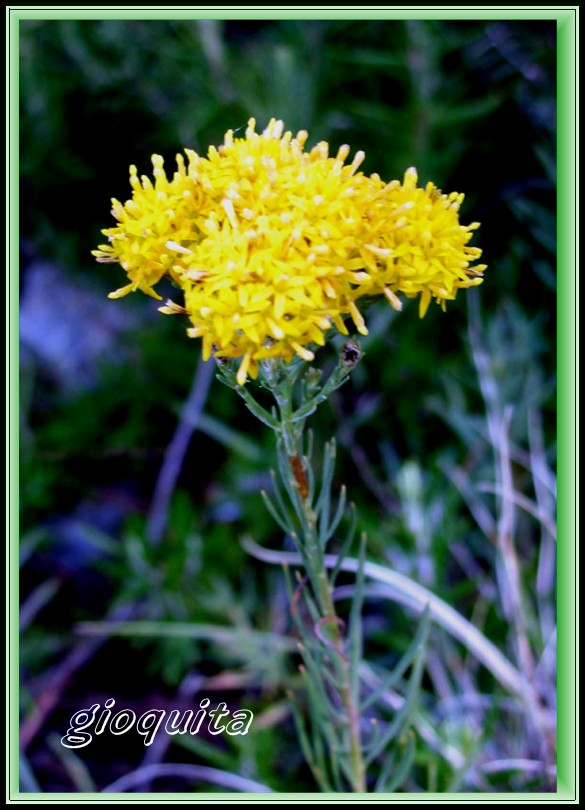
331 656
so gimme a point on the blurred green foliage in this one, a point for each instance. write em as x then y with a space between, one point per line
472 105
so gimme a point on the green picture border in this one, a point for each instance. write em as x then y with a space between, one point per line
567 19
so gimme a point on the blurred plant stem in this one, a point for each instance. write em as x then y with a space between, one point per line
331 657
175 453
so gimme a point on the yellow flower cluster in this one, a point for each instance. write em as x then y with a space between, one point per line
273 245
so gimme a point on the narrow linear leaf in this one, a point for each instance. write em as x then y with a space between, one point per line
355 625
400 668
278 496
322 723
304 739
28 782
234 440
313 672
326 476
402 716
308 452
74 766
386 770
307 409
340 511
338 377
336 769
259 412
347 769
401 772
235 637
310 479
306 597
286 527
319 747
324 518
346 545
285 476
212 754
37 600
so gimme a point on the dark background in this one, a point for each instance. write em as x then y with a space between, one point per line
471 104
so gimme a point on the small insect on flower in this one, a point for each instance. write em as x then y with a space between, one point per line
350 353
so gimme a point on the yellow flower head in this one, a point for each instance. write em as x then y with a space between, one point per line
273 245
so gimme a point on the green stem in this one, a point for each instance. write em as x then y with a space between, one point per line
291 436
296 474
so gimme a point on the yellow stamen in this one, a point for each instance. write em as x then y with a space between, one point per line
357 319
302 351
242 374
393 299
